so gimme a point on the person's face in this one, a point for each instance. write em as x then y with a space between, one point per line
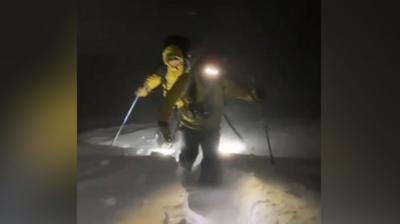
175 62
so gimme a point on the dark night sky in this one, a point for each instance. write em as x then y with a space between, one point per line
119 42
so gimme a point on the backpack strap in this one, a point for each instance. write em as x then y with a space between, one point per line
162 72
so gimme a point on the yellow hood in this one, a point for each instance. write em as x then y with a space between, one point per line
171 51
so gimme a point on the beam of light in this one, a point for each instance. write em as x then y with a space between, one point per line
211 71
227 146
125 146
141 152
164 150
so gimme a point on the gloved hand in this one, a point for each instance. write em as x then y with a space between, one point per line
142 92
165 131
258 94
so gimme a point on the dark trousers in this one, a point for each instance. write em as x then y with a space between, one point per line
209 141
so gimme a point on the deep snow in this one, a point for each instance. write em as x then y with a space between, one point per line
128 184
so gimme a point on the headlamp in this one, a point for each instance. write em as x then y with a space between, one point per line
211 71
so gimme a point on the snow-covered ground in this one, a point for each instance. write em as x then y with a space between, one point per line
135 181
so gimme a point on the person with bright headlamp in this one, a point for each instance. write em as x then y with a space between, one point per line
203 92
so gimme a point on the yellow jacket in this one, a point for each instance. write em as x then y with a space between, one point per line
210 99
172 74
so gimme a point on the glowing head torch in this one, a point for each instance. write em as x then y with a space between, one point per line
211 71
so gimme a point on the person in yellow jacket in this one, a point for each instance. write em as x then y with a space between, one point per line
175 64
202 93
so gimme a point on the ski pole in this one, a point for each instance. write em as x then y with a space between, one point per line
125 119
233 127
271 156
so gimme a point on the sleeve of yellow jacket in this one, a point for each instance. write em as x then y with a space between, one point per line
173 95
152 81
232 90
